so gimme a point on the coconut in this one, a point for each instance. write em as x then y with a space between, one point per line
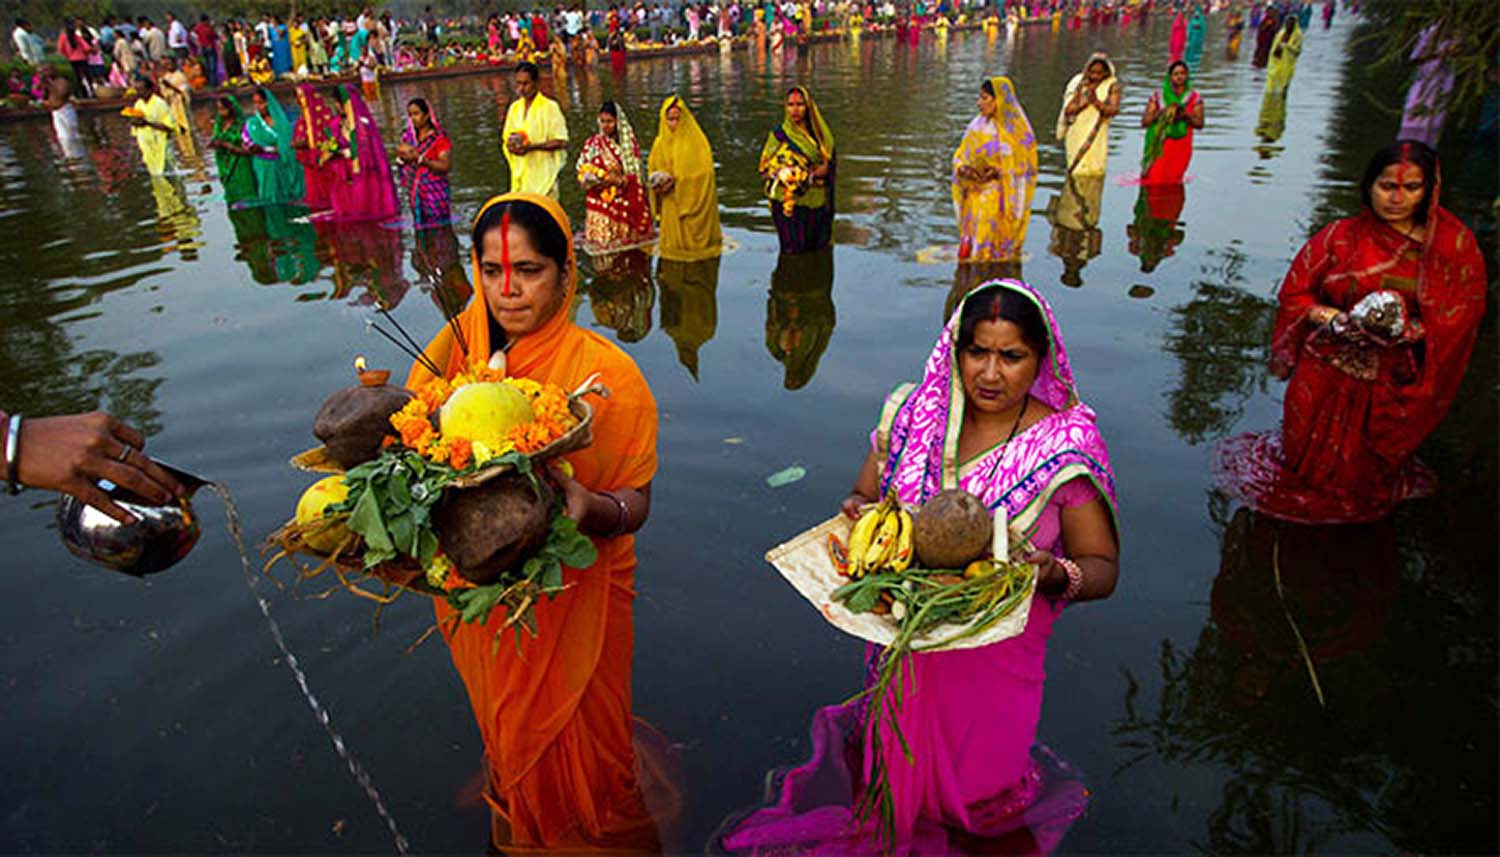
951 530
353 421
489 528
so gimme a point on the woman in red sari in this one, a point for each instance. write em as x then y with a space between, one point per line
1378 318
617 215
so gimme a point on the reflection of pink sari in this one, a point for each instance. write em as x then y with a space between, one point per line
969 716
369 193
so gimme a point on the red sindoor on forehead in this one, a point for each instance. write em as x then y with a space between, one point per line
505 249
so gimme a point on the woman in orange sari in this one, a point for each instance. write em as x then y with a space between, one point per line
554 712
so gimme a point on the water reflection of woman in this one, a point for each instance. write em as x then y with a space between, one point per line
622 295
1074 215
998 415
435 259
555 712
1091 102
684 187
1366 388
1155 232
799 313
689 305
616 214
798 164
994 177
364 257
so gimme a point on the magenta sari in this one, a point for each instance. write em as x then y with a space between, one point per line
969 716
369 192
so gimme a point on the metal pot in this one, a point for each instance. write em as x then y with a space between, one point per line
160 537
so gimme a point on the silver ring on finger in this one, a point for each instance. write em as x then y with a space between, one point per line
124 454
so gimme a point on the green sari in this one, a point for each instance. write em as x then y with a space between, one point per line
278 176
792 143
236 172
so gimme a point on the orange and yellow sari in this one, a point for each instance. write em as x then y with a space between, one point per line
555 712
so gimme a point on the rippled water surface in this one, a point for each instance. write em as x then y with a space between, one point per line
156 715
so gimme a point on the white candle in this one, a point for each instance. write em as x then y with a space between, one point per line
1001 546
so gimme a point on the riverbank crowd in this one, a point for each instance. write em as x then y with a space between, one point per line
1377 320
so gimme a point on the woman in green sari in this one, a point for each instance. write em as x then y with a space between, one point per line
798 166
233 157
268 134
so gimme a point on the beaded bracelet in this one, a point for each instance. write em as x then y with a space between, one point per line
1075 578
13 454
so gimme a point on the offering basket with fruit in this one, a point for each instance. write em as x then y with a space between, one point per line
450 489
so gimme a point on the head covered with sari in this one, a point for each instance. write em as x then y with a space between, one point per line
319 120
1011 149
920 430
278 132
624 143
1078 80
554 711
229 131
813 143
685 154
1161 129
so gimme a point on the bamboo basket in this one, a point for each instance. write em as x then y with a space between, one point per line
806 565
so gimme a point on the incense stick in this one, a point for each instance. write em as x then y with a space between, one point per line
418 356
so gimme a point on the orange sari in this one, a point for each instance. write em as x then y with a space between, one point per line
555 714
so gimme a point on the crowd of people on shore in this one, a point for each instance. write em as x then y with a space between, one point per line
1377 319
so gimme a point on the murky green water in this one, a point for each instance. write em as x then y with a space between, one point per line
155 715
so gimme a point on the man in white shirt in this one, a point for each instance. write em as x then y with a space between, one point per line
154 40
177 37
29 46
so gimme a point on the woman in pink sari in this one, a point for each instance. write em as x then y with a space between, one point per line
315 136
368 191
996 414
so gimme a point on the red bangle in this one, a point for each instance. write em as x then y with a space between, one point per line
1075 578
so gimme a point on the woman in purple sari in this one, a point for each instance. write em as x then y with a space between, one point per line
426 156
996 414
368 191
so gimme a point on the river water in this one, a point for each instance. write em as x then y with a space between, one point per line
157 715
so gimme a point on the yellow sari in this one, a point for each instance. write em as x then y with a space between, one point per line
540 121
1086 137
993 213
153 142
689 214
1284 53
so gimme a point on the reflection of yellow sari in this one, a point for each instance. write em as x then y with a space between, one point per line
689 306
689 214
993 212
1086 138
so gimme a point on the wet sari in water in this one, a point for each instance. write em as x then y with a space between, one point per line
1086 137
993 213
1169 145
317 138
427 191
368 192
970 716
278 176
809 225
555 713
1284 53
688 215
153 142
616 216
1355 411
236 171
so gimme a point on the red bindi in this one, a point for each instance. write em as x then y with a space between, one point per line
1408 173
505 250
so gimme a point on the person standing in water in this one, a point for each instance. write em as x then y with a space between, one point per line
535 136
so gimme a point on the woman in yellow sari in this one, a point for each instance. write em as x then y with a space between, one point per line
684 191
994 177
152 123
798 166
554 712
1284 53
1091 102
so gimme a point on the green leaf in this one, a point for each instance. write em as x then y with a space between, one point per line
570 546
552 576
368 522
403 533
864 599
427 546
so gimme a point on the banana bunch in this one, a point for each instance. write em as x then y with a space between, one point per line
881 539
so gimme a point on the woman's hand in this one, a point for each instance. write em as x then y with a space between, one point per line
853 504
71 454
405 152
576 499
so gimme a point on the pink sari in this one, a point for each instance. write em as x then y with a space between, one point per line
969 716
369 193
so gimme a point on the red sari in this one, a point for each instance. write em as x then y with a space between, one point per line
1356 411
616 217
